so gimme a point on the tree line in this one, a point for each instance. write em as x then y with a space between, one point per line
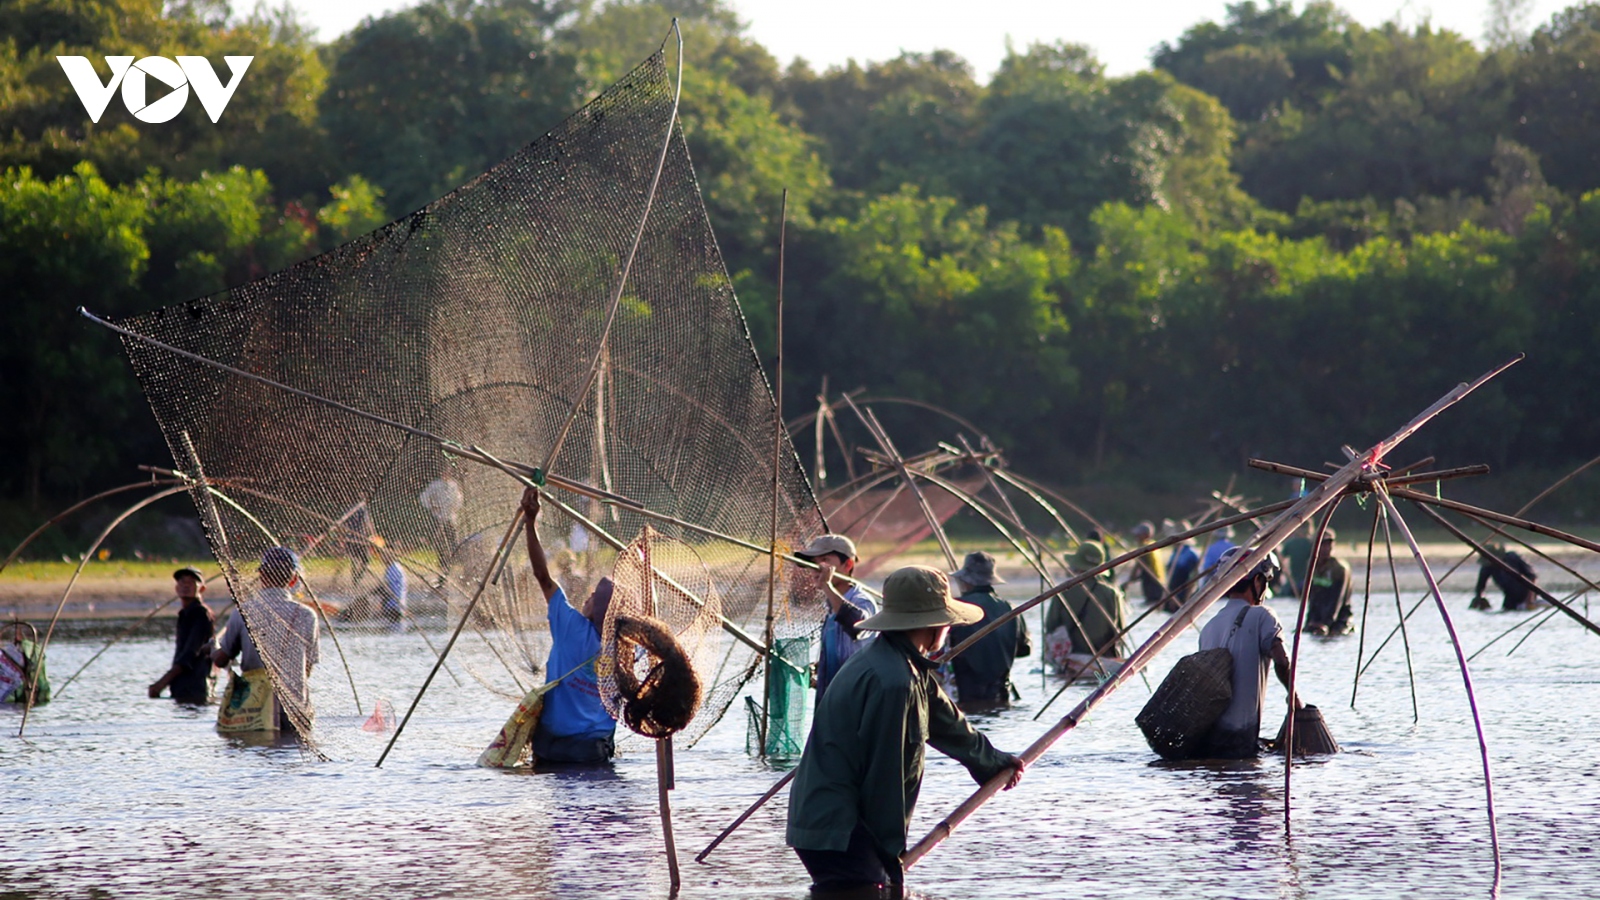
1291 232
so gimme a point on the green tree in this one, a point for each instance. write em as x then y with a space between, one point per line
1556 98
73 241
44 125
421 100
905 121
77 240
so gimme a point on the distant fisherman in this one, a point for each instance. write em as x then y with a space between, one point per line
1328 609
983 671
1504 566
1083 627
278 631
190 675
858 780
1147 569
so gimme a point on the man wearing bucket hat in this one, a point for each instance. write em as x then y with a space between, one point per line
983 671
835 555
1251 632
858 779
1086 622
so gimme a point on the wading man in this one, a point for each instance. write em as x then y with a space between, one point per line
1504 566
190 675
983 671
574 726
278 629
1251 632
858 780
1328 608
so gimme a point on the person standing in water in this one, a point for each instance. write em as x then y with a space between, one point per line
190 675
858 779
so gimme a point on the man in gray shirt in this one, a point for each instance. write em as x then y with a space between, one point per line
1251 632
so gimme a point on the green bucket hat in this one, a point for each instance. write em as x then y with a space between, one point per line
1090 555
919 597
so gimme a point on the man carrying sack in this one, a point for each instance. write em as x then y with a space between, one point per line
858 779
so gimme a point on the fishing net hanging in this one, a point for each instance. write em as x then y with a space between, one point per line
479 318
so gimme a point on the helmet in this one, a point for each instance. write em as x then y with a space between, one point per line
1269 568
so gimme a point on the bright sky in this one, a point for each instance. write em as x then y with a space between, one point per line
1121 32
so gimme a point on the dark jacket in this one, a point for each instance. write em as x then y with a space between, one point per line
863 761
192 654
1504 570
1329 601
1098 606
983 671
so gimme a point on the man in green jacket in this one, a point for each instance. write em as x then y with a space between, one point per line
1083 626
858 780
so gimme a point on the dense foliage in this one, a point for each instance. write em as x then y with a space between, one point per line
1291 232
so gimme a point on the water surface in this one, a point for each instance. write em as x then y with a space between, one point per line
114 795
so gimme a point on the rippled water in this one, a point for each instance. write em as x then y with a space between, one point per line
114 795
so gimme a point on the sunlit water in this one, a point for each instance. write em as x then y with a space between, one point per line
111 794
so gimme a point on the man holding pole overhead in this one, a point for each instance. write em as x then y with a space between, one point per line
858 779
573 726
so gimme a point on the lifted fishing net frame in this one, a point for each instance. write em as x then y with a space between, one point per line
570 306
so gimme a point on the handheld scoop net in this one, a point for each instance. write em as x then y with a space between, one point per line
480 321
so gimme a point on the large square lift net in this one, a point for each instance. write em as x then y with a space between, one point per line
479 318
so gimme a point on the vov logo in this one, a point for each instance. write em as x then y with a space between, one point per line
187 72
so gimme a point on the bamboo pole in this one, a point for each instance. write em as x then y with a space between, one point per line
1366 603
466 616
1294 660
1466 674
1405 635
1267 541
761 801
66 592
882 437
778 439
665 782
627 264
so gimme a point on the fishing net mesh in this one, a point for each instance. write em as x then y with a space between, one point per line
478 319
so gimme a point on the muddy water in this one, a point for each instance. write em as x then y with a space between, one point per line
114 795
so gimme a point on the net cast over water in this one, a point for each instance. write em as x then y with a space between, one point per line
486 319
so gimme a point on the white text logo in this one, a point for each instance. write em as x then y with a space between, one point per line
187 72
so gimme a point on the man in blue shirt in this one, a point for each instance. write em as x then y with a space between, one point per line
574 726
835 556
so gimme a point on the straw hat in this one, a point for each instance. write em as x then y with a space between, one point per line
919 597
978 570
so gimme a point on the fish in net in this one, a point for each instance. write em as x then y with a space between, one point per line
383 374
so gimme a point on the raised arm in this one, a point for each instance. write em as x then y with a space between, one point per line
541 568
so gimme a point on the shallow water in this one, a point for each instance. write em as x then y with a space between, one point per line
114 795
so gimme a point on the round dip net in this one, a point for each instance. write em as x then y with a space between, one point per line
567 310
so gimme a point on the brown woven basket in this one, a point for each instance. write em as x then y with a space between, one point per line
1311 734
1187 703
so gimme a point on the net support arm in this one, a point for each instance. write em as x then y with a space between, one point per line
1273 535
